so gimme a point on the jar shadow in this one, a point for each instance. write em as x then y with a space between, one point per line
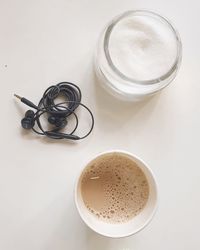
115 113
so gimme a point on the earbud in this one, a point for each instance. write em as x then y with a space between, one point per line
28 121
52 119
59 121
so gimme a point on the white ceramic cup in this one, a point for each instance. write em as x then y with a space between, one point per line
134 225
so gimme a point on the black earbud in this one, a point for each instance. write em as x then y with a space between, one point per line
52 119
28 121
59 121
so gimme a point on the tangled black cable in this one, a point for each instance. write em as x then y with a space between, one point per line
57 113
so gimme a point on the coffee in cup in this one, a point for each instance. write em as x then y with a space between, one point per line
114 188
116 194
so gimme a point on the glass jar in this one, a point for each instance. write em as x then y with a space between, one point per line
139 39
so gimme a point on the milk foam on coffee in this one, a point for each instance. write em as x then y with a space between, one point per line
113 188
142 47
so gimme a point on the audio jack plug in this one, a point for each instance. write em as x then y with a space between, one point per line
26 101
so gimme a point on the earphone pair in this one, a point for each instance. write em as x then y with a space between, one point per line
58 114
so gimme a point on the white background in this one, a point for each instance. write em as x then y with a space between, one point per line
44 42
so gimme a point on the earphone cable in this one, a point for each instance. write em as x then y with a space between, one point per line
60 111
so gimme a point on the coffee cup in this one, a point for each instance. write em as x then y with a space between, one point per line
116 194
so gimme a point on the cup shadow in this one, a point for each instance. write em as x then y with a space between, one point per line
99 242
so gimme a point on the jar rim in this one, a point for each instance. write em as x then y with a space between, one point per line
141 12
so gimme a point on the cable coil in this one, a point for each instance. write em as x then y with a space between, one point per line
59 113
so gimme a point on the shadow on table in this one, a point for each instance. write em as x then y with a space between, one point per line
98 242
113 114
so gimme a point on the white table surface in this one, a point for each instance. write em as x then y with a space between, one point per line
43 42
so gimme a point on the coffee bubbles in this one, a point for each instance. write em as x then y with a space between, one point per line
113 188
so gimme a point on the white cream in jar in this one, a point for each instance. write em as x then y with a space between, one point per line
139 53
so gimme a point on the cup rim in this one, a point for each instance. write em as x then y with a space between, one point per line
76 198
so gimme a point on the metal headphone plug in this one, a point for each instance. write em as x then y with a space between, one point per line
26 101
